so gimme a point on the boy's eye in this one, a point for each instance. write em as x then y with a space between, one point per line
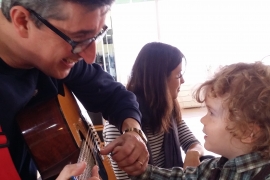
210 112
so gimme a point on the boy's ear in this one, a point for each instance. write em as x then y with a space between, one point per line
20 18
252 135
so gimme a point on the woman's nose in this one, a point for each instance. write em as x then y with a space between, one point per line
182 81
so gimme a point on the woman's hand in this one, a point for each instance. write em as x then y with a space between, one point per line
75 170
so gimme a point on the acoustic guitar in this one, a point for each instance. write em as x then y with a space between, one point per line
58 132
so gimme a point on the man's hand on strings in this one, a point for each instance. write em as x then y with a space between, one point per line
129 150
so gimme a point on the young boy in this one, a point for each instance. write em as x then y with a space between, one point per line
236 126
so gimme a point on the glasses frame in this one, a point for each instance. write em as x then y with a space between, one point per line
77 47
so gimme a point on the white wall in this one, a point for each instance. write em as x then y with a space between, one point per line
215 32
209 32
133 25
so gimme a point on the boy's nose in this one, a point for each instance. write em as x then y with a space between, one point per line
203 120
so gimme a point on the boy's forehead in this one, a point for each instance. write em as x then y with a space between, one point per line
215 103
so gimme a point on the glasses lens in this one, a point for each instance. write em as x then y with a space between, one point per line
77 49
81 46
101 35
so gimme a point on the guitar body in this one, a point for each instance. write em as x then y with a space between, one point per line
54 131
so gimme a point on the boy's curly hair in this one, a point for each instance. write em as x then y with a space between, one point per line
245 88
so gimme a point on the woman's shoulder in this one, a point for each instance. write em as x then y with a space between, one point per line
145 110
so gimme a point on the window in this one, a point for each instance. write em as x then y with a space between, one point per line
210 33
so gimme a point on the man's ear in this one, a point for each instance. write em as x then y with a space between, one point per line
252 135
20 18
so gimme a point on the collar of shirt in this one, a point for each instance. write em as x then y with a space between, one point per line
246 162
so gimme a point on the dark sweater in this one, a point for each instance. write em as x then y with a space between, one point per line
96 90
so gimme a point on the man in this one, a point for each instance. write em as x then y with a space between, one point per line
45 44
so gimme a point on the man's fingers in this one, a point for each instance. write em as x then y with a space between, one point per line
109 148
136 169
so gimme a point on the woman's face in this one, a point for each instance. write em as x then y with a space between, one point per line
175 80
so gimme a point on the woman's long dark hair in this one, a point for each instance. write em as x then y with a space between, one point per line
150 73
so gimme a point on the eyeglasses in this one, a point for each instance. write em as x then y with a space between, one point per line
77 47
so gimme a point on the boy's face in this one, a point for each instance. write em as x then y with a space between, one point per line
217 138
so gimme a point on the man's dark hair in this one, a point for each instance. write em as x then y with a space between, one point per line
50 8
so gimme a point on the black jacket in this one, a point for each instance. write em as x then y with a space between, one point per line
95 88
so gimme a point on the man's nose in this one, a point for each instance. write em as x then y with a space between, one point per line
89 53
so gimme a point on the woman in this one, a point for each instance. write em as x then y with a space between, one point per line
155 80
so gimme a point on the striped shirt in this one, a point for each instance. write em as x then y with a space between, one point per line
155 141
243 167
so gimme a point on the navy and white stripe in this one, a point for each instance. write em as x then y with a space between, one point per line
186 139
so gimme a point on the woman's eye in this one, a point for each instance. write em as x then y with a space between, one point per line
179 76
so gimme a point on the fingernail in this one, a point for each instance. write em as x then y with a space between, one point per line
80 164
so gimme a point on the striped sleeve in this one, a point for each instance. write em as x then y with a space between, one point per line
110 133
186 137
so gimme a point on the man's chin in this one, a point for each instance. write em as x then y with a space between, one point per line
60 75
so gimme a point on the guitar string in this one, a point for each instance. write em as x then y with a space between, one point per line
90 144
82 158
84 150
90 154
90 149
